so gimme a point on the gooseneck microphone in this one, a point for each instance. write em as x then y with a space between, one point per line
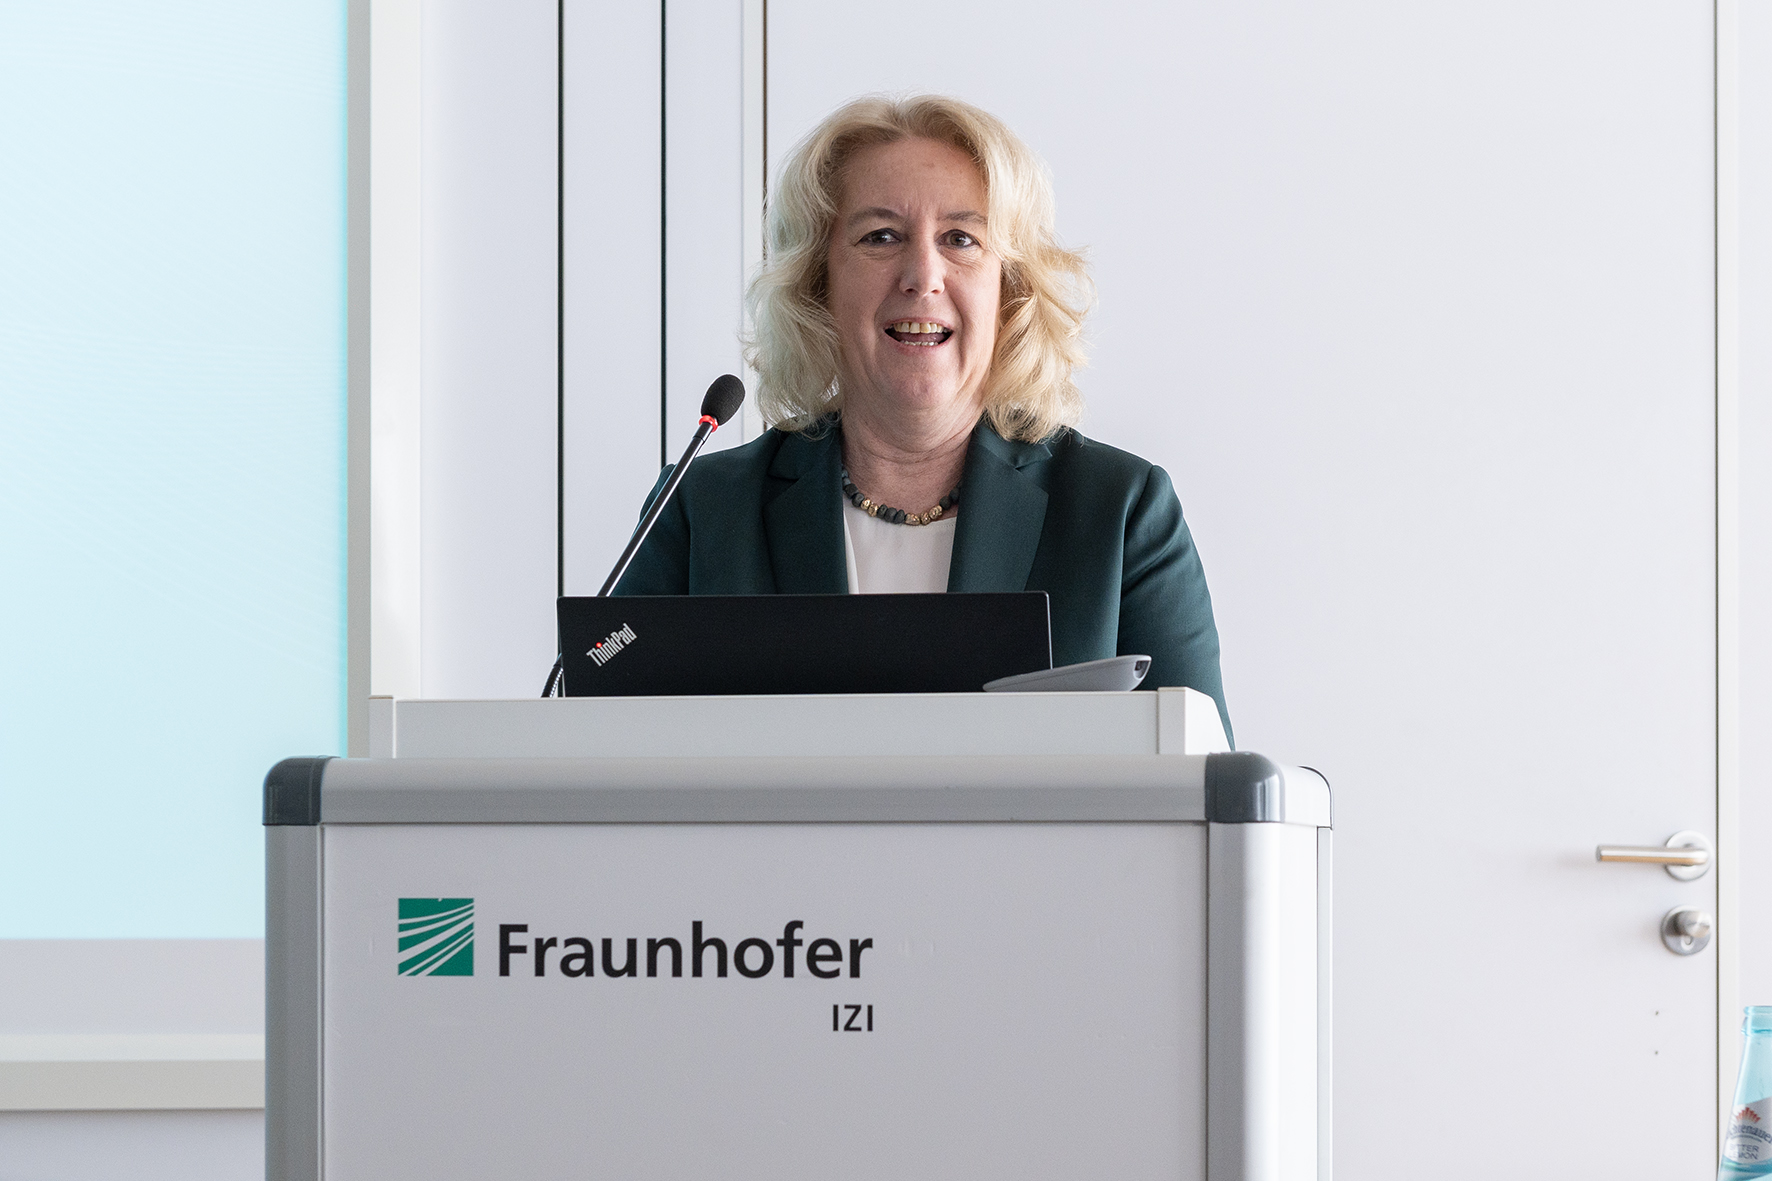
718 405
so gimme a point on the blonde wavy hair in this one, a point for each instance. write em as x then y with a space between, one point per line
1046 289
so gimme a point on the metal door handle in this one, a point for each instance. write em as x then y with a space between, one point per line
1652 855
1686 930
1687 855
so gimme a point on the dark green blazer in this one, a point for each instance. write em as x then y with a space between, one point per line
1096 528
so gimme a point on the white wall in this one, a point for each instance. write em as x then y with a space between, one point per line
115 992
1417 310
132 1145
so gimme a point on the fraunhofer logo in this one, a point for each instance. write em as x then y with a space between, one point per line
436 937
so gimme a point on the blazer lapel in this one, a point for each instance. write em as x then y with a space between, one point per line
1002 512
804 522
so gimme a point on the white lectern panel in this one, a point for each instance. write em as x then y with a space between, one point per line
1028 1001
1037 964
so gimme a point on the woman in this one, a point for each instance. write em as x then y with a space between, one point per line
916 328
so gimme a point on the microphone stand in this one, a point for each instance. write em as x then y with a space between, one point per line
708 426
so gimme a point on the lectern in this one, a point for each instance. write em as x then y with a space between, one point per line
933 936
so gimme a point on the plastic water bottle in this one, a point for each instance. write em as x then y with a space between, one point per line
1747 1148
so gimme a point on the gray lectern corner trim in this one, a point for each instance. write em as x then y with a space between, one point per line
292 1003
1243 787
292 790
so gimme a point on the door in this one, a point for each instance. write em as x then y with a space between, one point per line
1416 305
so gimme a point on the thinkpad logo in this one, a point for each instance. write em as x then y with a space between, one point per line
606 649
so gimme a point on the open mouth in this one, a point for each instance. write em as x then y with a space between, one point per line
920 332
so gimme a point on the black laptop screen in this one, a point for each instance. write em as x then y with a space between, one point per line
676 645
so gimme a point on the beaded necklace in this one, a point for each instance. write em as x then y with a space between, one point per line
896 516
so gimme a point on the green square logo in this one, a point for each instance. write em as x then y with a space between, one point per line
436 937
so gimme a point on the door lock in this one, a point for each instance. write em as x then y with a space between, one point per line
1686 930
1687 855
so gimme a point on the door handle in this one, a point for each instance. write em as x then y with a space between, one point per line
1686 930
1686 856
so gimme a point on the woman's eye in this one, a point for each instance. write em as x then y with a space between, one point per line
961 238
880 238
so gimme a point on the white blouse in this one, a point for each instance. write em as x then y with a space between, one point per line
888 559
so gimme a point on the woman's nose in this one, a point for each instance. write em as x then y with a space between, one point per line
924 270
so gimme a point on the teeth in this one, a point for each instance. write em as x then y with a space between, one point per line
917 327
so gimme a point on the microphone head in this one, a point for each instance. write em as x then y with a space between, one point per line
723 398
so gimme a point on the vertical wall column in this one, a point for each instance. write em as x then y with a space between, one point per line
611 168
705 116
395 356
1728 551
755 36
461 325
536 341
488 333
1744 255
639 358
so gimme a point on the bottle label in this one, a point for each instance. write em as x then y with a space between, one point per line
1749 1140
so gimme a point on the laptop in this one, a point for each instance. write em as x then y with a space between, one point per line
693 645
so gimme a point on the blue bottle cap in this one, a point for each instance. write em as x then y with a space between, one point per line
1758 1019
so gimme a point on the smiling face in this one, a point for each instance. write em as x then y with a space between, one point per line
913 283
